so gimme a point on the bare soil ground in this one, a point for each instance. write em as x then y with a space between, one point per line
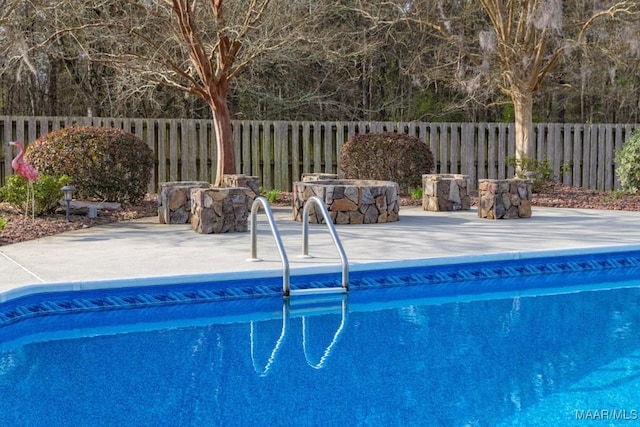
18 228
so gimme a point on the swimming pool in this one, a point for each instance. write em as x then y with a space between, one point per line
546 341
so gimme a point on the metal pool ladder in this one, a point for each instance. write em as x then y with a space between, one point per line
286 281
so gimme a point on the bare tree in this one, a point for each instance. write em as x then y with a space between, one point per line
524 41
530 40
215 66
197 46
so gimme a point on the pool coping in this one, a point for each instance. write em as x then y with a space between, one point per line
271 273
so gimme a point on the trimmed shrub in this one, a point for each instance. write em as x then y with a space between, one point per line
103 163
387 156
47 191
542 170
628 163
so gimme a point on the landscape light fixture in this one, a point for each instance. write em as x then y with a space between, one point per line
68 190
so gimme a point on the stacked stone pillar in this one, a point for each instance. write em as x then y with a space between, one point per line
349 201
208 209
220 210
252 183
445 192
504 198
174 201
307 177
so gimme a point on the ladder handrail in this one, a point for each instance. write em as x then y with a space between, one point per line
255 207
332 230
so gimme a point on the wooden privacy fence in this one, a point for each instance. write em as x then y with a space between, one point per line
278 152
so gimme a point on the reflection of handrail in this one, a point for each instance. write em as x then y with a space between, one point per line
311 307
276 348
334 235
276 235
327 351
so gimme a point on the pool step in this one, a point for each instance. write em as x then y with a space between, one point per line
317 304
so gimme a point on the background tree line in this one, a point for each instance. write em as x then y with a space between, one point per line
375 60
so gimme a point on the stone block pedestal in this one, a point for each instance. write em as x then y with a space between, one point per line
174 201
349 201
504 198
445 192
220 210
251 183
307 177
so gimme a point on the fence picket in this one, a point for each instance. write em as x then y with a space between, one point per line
280 155
567 177
454 156
577 155
555 149
468 153
306 147
7 150
502 150
482 153
340 130
150 139
265 151
608 158
203 152
20 130
295 151
595 163
163 161
443 148
317 148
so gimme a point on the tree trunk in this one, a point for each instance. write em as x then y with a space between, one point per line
523 109
225 163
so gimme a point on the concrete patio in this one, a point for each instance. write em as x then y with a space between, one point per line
146 249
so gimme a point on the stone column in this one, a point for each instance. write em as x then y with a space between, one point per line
349 201
220 210
306 177
445 192
251 183
504 198
174 201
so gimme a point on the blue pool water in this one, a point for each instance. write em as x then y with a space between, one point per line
535 342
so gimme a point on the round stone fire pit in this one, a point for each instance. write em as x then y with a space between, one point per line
349 201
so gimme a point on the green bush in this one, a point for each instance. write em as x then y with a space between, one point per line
47 190
271 195
628 163
542 170
387 156
103 163
416 193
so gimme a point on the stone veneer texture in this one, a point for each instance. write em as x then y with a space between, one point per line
445 192
349 201
252 183
220 210
504 198
174 201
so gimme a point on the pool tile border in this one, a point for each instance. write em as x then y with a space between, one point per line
66 302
